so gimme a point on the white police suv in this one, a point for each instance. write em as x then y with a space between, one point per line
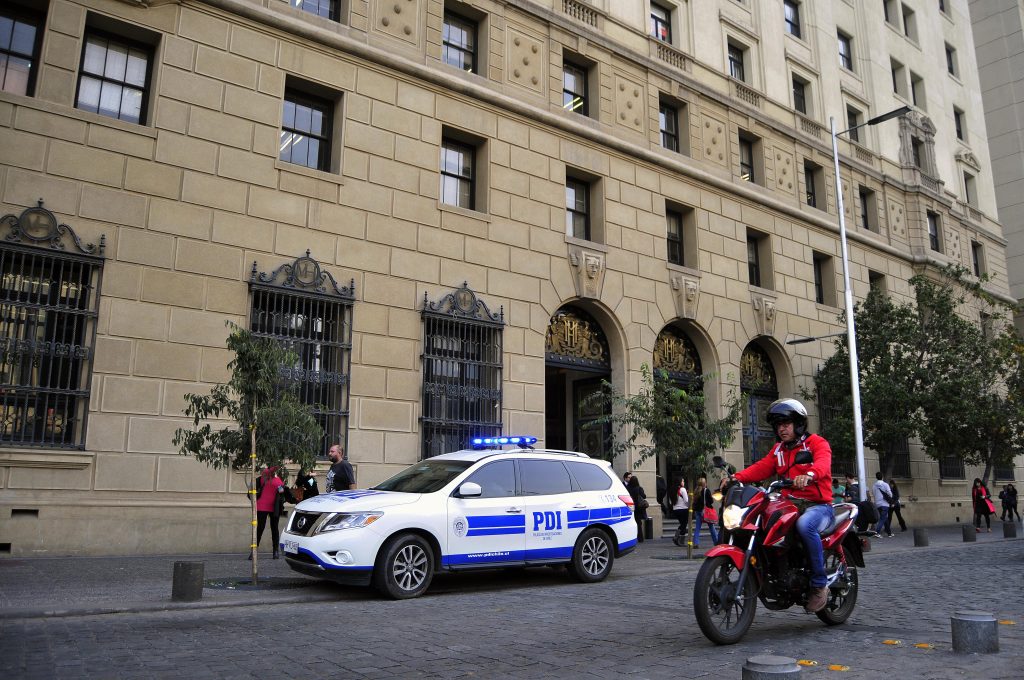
470 509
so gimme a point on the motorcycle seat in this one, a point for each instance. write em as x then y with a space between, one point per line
843 512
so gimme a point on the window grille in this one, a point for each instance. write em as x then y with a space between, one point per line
901 460
48 310
302 307
462 371
951 467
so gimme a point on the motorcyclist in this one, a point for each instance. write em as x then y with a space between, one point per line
812 484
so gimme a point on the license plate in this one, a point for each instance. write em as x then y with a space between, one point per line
291 547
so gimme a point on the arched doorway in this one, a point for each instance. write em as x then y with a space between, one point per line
676 354
758 382
577 359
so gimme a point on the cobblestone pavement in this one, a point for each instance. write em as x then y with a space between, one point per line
515 624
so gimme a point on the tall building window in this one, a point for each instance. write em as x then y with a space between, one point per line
462 371
114 77
759 267
19 51
674 222
814 178
668 121
977 258
306 130
574 88
917 93
458 177
853 123
799 95
824 279
577 208
899 78
845 51
909 23
933 232
302 307
970 191
748 148
868 209
958 124
458 42
951 65
49 300
916 148
327 9
791 10
661 23
876 281
737 57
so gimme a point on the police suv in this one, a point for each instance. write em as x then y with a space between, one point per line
472 509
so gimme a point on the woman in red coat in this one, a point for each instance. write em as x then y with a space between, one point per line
268 488
982 505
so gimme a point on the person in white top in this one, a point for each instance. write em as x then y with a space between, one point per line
680 508
883 496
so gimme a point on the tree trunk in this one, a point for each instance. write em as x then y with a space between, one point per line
252 495
988 465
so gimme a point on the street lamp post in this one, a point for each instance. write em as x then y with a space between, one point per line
851 335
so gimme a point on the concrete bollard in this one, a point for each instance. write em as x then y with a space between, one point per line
1009 529
187 585
970 534
974 632
921 538
768 667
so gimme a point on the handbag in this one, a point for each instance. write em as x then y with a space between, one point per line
710 515
643 504
991 508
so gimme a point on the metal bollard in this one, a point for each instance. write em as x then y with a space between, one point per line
649 528
768 667
187 585
970 533
974 632
921 538
1009 529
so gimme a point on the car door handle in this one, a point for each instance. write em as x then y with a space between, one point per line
580 506
513 510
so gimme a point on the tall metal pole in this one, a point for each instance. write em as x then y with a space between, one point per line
851 335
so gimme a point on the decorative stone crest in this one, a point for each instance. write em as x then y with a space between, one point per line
589 266
398 19
303 274
629 104
784 175
764 314
968 158
897 219
951 241
714 140
685 293
39 226
526 57
462 303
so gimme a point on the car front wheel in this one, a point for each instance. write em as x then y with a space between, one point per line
405 567
593 556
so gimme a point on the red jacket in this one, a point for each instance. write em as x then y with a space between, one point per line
779 461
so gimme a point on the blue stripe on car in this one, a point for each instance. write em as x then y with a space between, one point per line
479 521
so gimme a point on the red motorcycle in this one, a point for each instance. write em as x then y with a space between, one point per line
765 559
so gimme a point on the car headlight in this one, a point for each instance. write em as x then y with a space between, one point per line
349 520
732 516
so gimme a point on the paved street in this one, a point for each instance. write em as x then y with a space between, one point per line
533 624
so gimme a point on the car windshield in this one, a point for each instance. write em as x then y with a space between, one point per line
425 477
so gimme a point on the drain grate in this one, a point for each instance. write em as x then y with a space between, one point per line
266 583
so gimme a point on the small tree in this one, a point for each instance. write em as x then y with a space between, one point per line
665 418
270 423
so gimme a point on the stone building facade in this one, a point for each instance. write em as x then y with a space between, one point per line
464 215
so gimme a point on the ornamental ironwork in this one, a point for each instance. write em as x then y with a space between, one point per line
462 371
756 371
38 226
575 339
303 275
676 354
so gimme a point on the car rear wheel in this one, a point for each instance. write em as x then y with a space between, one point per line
592 557
404 568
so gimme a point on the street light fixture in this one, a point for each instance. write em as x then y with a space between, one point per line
851 335
802 340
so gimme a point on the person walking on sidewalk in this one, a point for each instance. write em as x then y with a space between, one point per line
269 501
981 498
702 503
640 503
680 510
894 508
1011 501
883 499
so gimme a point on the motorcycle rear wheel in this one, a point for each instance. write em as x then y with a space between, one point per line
841 598
723 617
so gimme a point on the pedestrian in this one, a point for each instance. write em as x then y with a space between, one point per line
704 511
981 499
661 488
636 492
838 491
894 508
1003 502
680 509
1011 500
883 499
340 477
269 501
866 512
305 486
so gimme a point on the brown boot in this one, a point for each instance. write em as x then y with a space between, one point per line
816 599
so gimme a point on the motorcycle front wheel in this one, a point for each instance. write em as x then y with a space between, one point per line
842 596
724 615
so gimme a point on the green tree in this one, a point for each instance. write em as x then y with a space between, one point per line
255 419
665 418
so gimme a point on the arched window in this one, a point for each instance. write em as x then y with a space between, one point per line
676 354
759 384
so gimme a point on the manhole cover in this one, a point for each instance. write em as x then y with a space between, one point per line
265 583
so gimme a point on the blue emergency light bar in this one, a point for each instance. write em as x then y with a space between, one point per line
488 442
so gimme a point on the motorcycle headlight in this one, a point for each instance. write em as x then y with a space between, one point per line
732 517
349 520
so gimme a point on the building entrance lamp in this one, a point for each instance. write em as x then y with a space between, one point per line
851 335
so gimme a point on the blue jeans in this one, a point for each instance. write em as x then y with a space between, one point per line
883 516
815 519
711 527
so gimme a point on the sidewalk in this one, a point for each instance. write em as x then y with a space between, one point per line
81 586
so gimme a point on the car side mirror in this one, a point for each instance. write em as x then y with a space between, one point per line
803 457
470 490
